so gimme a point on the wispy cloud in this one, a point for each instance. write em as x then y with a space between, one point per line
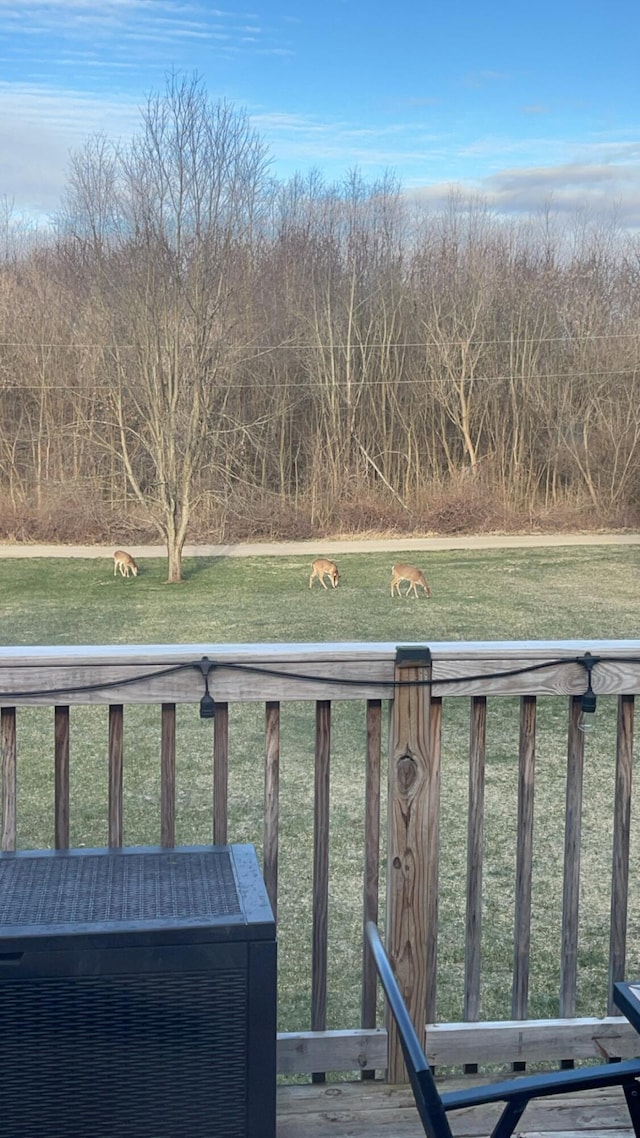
73 113
484 78
39 126
116 51
299 141
601 175
163 24
600 189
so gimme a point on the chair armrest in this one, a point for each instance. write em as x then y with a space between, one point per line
540 1086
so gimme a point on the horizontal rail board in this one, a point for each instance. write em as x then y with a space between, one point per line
531 1041
456 1044
279 672
303 1052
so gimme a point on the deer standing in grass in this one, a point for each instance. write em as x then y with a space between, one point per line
125 563
414 576
322 568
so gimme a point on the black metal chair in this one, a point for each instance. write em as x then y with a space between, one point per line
515 1093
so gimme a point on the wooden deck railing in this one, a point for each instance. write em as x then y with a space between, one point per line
418 681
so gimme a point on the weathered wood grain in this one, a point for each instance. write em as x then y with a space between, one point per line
378 1110
371 882
320 900
530 1041
61 778
524 858
621 844
571 880
459 1044
410 781
9 778
303 1052
116 775
221 774
271 803
432 855
245 673
168 775
475 829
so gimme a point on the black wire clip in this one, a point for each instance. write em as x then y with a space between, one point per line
588 701
207 703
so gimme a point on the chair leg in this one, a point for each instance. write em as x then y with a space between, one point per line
632 1095
509 1118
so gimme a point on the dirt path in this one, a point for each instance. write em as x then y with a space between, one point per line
333 547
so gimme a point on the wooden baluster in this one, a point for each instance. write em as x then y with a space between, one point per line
9 778
168 775
571 888
524 861
271 802
320 872
432 853
116 770
371 860
221 774
61 781
621 837
412 780
472 966
524 857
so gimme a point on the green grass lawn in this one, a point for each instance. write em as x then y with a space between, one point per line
476 595
570 593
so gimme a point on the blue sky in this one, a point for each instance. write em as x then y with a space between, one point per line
529 104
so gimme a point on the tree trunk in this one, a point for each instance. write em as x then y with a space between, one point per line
174 560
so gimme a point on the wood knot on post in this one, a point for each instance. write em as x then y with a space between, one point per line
407 772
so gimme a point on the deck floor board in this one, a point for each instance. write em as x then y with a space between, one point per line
377 1110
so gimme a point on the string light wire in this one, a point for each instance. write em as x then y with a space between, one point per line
205 665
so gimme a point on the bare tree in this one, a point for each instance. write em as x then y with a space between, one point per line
203 348
172 217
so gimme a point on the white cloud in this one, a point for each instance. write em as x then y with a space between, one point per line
602 177
601 190
70 113
118 44
69 19
573 187
480 79
38 128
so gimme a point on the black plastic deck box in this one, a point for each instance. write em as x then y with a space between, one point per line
137 994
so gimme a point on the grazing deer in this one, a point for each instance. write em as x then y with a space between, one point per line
322 568
414 576
124 562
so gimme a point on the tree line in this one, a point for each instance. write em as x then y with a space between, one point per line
198 349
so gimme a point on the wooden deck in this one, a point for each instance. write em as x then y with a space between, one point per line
377 1110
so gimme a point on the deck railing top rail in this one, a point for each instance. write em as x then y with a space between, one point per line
349 670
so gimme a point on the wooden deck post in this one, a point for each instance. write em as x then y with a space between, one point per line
412 881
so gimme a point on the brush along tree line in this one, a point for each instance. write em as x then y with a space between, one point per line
196 342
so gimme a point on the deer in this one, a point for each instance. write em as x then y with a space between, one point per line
322 568
124 562
414 576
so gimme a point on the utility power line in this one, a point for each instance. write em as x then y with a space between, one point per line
354 346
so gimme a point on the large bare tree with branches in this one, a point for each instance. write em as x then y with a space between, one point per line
170 220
